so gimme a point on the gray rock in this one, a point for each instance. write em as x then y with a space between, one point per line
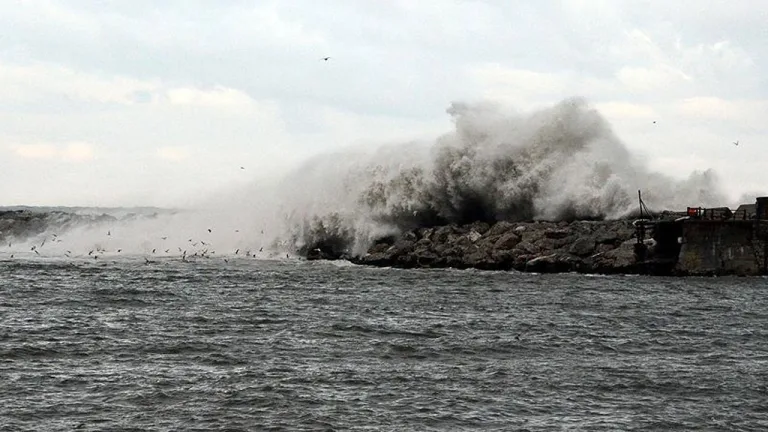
526 248
499 228
479 227
583 246
401 247
507 241
554 263
556 233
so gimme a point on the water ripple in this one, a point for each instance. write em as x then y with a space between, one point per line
306 346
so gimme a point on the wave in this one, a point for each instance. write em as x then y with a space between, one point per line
560 163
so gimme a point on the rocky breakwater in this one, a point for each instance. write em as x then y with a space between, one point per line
546 247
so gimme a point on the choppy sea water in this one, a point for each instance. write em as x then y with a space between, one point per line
266 345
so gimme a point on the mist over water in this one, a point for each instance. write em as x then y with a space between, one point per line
559 163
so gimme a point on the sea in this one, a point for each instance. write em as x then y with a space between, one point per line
291 345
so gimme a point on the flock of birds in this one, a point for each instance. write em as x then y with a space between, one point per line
197 248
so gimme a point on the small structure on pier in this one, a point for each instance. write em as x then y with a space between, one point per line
707 240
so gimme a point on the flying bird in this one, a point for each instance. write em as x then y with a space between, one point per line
209 230
736 143
242 168
326 58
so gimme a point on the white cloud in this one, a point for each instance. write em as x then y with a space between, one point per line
218 97
32 83
749 114
627 110
172 153
77 152
69 152
35 151
658 78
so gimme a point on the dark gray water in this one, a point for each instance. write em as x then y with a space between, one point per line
255 345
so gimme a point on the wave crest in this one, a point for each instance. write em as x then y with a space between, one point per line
560 163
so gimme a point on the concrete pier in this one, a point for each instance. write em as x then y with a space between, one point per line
719 248
708 242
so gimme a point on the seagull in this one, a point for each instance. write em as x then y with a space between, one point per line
736 143
163 238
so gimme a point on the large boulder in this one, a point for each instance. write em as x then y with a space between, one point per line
559 233
619 260
583 246
499 228
554 263
507 241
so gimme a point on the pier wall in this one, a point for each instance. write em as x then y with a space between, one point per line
711 247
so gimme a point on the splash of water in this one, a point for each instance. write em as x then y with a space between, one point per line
559 163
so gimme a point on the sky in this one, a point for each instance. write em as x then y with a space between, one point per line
123 103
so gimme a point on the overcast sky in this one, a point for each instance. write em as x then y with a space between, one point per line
142 102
